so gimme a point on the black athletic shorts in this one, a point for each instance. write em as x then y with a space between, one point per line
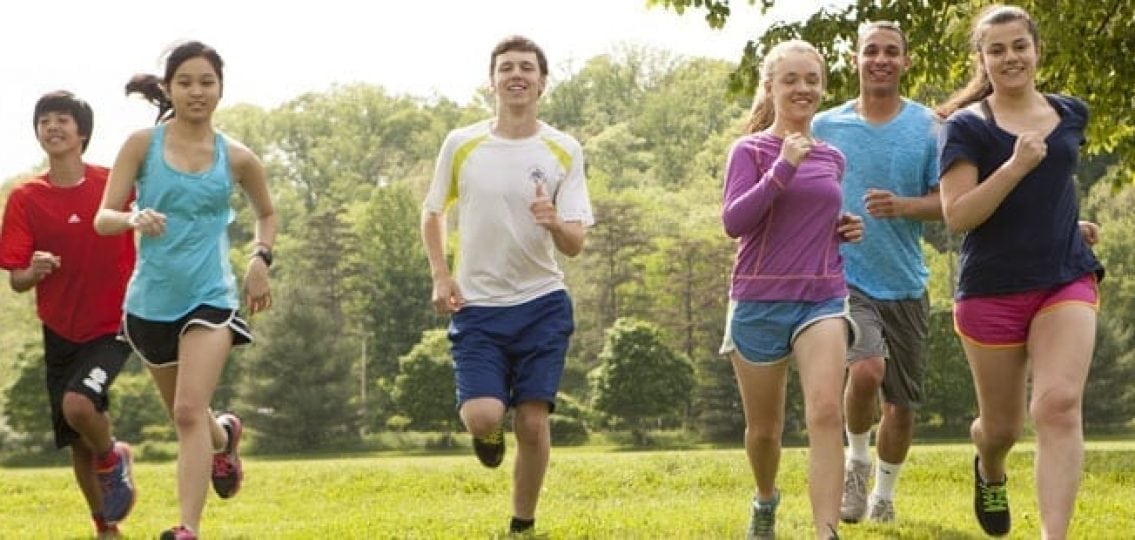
156 342
86 368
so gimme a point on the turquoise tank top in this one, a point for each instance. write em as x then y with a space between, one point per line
188 265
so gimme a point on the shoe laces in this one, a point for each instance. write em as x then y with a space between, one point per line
493 438
994 498
764 516
853 481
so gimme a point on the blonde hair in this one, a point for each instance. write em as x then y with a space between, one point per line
764 111
979 87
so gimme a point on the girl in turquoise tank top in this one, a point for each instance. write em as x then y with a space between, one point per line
182 304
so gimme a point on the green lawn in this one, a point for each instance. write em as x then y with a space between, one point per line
589 493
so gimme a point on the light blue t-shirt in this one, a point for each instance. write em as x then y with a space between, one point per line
900 156
188 265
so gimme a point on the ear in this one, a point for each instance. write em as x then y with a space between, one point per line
543 85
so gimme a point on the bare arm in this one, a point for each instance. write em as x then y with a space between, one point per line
446 296
885 204
254 180
41 265
111 219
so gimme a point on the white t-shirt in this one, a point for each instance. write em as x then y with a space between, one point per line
503 257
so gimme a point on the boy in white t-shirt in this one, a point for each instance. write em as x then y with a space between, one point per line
521 196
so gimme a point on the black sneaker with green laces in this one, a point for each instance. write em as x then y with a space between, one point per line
990 503
490 449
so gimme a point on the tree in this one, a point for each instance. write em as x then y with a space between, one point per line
424 389
27 409
389 285
938 33
639 378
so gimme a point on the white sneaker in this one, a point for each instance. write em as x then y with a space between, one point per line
881 510
854 504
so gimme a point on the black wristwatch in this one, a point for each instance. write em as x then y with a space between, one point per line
265 254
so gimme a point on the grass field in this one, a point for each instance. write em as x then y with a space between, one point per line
589 493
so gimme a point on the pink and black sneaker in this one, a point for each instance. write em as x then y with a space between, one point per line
227 471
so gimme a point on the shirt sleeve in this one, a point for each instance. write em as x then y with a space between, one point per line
957 141
16 241
750 190
572 200
443 188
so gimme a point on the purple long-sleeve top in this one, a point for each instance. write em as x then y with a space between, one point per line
786 217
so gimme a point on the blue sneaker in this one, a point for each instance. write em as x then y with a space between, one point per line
116 485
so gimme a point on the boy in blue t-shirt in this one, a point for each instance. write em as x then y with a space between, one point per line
891 180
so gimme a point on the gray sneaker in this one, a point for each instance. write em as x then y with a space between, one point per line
854 504
882 510
762 524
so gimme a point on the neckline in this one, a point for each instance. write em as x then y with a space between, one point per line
991 120
199 174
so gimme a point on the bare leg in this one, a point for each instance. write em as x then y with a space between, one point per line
482 416
999 380
1060 346
534 443
762 389
861 396
186 391
820 352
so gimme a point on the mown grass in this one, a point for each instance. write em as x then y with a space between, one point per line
589 493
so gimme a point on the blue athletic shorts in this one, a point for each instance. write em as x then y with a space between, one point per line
763 332
512 353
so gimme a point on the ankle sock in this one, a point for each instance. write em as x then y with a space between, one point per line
857 446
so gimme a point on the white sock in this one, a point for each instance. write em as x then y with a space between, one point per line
886 476
857 446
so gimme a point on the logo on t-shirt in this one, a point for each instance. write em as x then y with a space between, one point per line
537 175
74 218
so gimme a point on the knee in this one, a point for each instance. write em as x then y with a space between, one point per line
865 376
997 435
481 421
78 408
824 414
187 417
531 423
1056 409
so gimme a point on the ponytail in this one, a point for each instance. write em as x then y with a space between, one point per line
763 113
977 89
150 87
979 86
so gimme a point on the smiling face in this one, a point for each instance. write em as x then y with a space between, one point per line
58 134
1008 54
796 85
195 89
517 78
881 60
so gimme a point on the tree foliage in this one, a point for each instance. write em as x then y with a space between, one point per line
639 378
424 389
938 34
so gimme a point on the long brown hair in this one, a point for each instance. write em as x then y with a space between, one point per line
979 86
764 111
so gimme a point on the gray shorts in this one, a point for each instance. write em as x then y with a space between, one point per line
895 330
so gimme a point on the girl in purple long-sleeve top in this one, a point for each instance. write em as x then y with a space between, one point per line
788 297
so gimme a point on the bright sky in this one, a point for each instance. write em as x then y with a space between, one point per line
277 50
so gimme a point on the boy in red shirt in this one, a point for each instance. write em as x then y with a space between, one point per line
48 242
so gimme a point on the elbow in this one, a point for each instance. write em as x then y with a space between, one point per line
953 224
102 225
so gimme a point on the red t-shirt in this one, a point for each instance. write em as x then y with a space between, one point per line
82 299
